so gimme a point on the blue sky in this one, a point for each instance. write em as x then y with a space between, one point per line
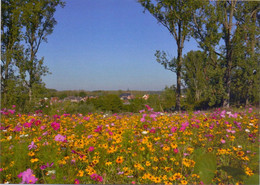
107 45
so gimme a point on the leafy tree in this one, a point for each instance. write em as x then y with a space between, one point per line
38 21
10 38
168 97
218 22
194 69
176 16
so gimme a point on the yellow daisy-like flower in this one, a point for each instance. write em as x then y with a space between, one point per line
119 160
184 182
80 173
148 163
108 163
34 160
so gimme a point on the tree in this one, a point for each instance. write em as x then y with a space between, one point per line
215 23
38 21
194 74
10 38
175 15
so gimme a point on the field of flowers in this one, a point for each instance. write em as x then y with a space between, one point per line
146 148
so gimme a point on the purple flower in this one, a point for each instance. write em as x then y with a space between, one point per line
32 146
28 177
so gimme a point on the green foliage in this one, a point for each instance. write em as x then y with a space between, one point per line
25 24
236 173
205 167
254 179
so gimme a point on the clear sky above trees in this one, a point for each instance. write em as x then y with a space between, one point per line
108 45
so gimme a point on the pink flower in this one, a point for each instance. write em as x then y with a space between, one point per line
76 181
133 182
98 129
27 124
222 141
37 122
43 127
60 138
176 150
17 129
11 111
148 108
173 129
90 149
55 125
28 177
96 177
32 146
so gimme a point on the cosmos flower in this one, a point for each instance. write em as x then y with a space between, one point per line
32 146
28 177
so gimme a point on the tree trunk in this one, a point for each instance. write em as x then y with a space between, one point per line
227 35
178 73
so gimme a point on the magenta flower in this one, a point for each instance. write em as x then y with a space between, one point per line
11 111
176 150
76 181
96 177
27 124
32 146
60 138
17 128
90 149
55 125
148 108
98 129
47 165
173 129
37 122
28 177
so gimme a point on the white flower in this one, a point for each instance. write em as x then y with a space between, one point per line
247 130
251 124
26 135
228 112
4 130
9 138
239 146
144 132
51 172
6 182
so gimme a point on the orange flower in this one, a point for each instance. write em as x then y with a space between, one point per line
119 160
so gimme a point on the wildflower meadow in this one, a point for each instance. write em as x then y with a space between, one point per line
217 147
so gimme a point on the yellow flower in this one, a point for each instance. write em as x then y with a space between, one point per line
80 173
184 182
108 163
34 160
148 163
31 153
119 160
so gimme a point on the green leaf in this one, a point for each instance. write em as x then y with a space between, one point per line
236 173
252 180
205 167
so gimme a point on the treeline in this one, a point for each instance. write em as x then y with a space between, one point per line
226 69
110 102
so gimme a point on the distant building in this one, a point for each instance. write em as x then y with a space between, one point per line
53 100
146 97
73 99
126 96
